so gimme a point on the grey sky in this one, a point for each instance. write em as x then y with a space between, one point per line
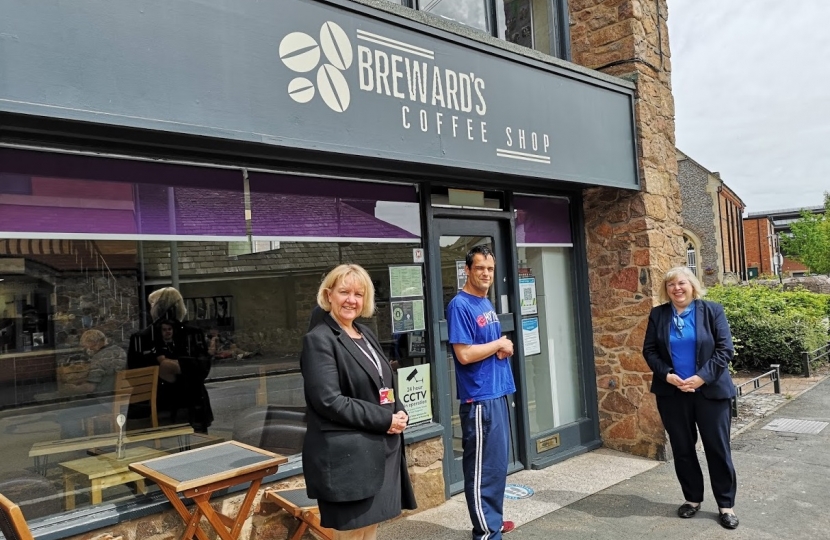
751 83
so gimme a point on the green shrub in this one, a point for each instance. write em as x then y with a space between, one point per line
773 326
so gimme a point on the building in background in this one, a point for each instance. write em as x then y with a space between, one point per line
763 246
713 232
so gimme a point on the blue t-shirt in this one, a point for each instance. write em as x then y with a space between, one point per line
473 321
683 342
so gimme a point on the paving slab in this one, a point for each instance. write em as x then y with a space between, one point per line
783 488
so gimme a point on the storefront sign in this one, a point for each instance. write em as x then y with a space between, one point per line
405 281
530 335
407 316
527 290
326 75
414 391
460 274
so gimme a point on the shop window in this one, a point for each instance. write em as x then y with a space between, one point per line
77 266
545 248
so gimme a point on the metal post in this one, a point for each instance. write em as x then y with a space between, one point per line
735 407
776 384
805 363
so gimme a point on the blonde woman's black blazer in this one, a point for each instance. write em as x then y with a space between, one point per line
345 442
714 350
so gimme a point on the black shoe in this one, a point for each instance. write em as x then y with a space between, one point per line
687 510
728 521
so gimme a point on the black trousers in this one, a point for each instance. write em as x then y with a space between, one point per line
683 415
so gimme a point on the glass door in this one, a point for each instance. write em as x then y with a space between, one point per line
455 239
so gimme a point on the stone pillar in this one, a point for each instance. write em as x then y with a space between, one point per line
632 237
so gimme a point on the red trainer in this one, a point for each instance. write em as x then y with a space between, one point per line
507 526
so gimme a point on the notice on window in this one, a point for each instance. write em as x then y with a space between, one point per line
405 281
527 292
407 316
414 392
530 336
461 275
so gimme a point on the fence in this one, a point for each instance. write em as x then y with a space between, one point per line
807 358
774 376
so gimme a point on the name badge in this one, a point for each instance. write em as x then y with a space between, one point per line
387 395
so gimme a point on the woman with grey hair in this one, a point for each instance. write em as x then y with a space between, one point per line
688 346
181 356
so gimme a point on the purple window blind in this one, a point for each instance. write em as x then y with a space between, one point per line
290 207
542 220
60 194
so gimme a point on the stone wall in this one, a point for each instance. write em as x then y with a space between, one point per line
632 237
699 217
267 521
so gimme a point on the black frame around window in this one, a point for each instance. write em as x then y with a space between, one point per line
558 23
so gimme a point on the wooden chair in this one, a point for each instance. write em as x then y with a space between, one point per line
12 523
131 386
302 509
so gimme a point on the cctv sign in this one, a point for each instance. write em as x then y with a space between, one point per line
414 392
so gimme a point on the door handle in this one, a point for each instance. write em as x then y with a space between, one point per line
443 331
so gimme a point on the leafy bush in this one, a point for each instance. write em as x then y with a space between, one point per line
773 326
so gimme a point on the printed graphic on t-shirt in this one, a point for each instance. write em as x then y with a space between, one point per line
487 318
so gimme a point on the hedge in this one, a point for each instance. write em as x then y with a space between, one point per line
773 326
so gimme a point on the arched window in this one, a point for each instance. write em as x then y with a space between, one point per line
691 254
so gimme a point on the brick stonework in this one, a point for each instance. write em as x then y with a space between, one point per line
633 237
758 245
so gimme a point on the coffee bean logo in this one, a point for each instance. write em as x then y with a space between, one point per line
301 90
299 52
336 46
333 88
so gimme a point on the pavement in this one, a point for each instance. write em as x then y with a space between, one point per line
783 485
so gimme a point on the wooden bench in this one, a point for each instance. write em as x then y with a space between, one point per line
41 451
302 509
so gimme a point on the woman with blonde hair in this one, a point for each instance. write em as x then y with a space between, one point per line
353 454
688 346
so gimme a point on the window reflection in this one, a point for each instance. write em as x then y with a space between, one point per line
470 12
74 283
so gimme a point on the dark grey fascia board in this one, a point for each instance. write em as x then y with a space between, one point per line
452 31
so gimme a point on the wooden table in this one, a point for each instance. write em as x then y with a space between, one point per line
198 473
105 471
41 451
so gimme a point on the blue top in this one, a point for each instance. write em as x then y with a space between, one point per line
473 321
683 342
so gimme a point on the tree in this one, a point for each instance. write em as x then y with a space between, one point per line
809 241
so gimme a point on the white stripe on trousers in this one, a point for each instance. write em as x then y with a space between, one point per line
478 467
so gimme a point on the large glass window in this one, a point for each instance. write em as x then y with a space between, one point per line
554 379
92 238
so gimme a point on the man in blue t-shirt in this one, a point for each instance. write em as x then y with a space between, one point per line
483 382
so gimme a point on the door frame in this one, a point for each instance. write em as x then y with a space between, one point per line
504 220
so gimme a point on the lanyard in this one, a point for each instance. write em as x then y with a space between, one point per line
373 357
